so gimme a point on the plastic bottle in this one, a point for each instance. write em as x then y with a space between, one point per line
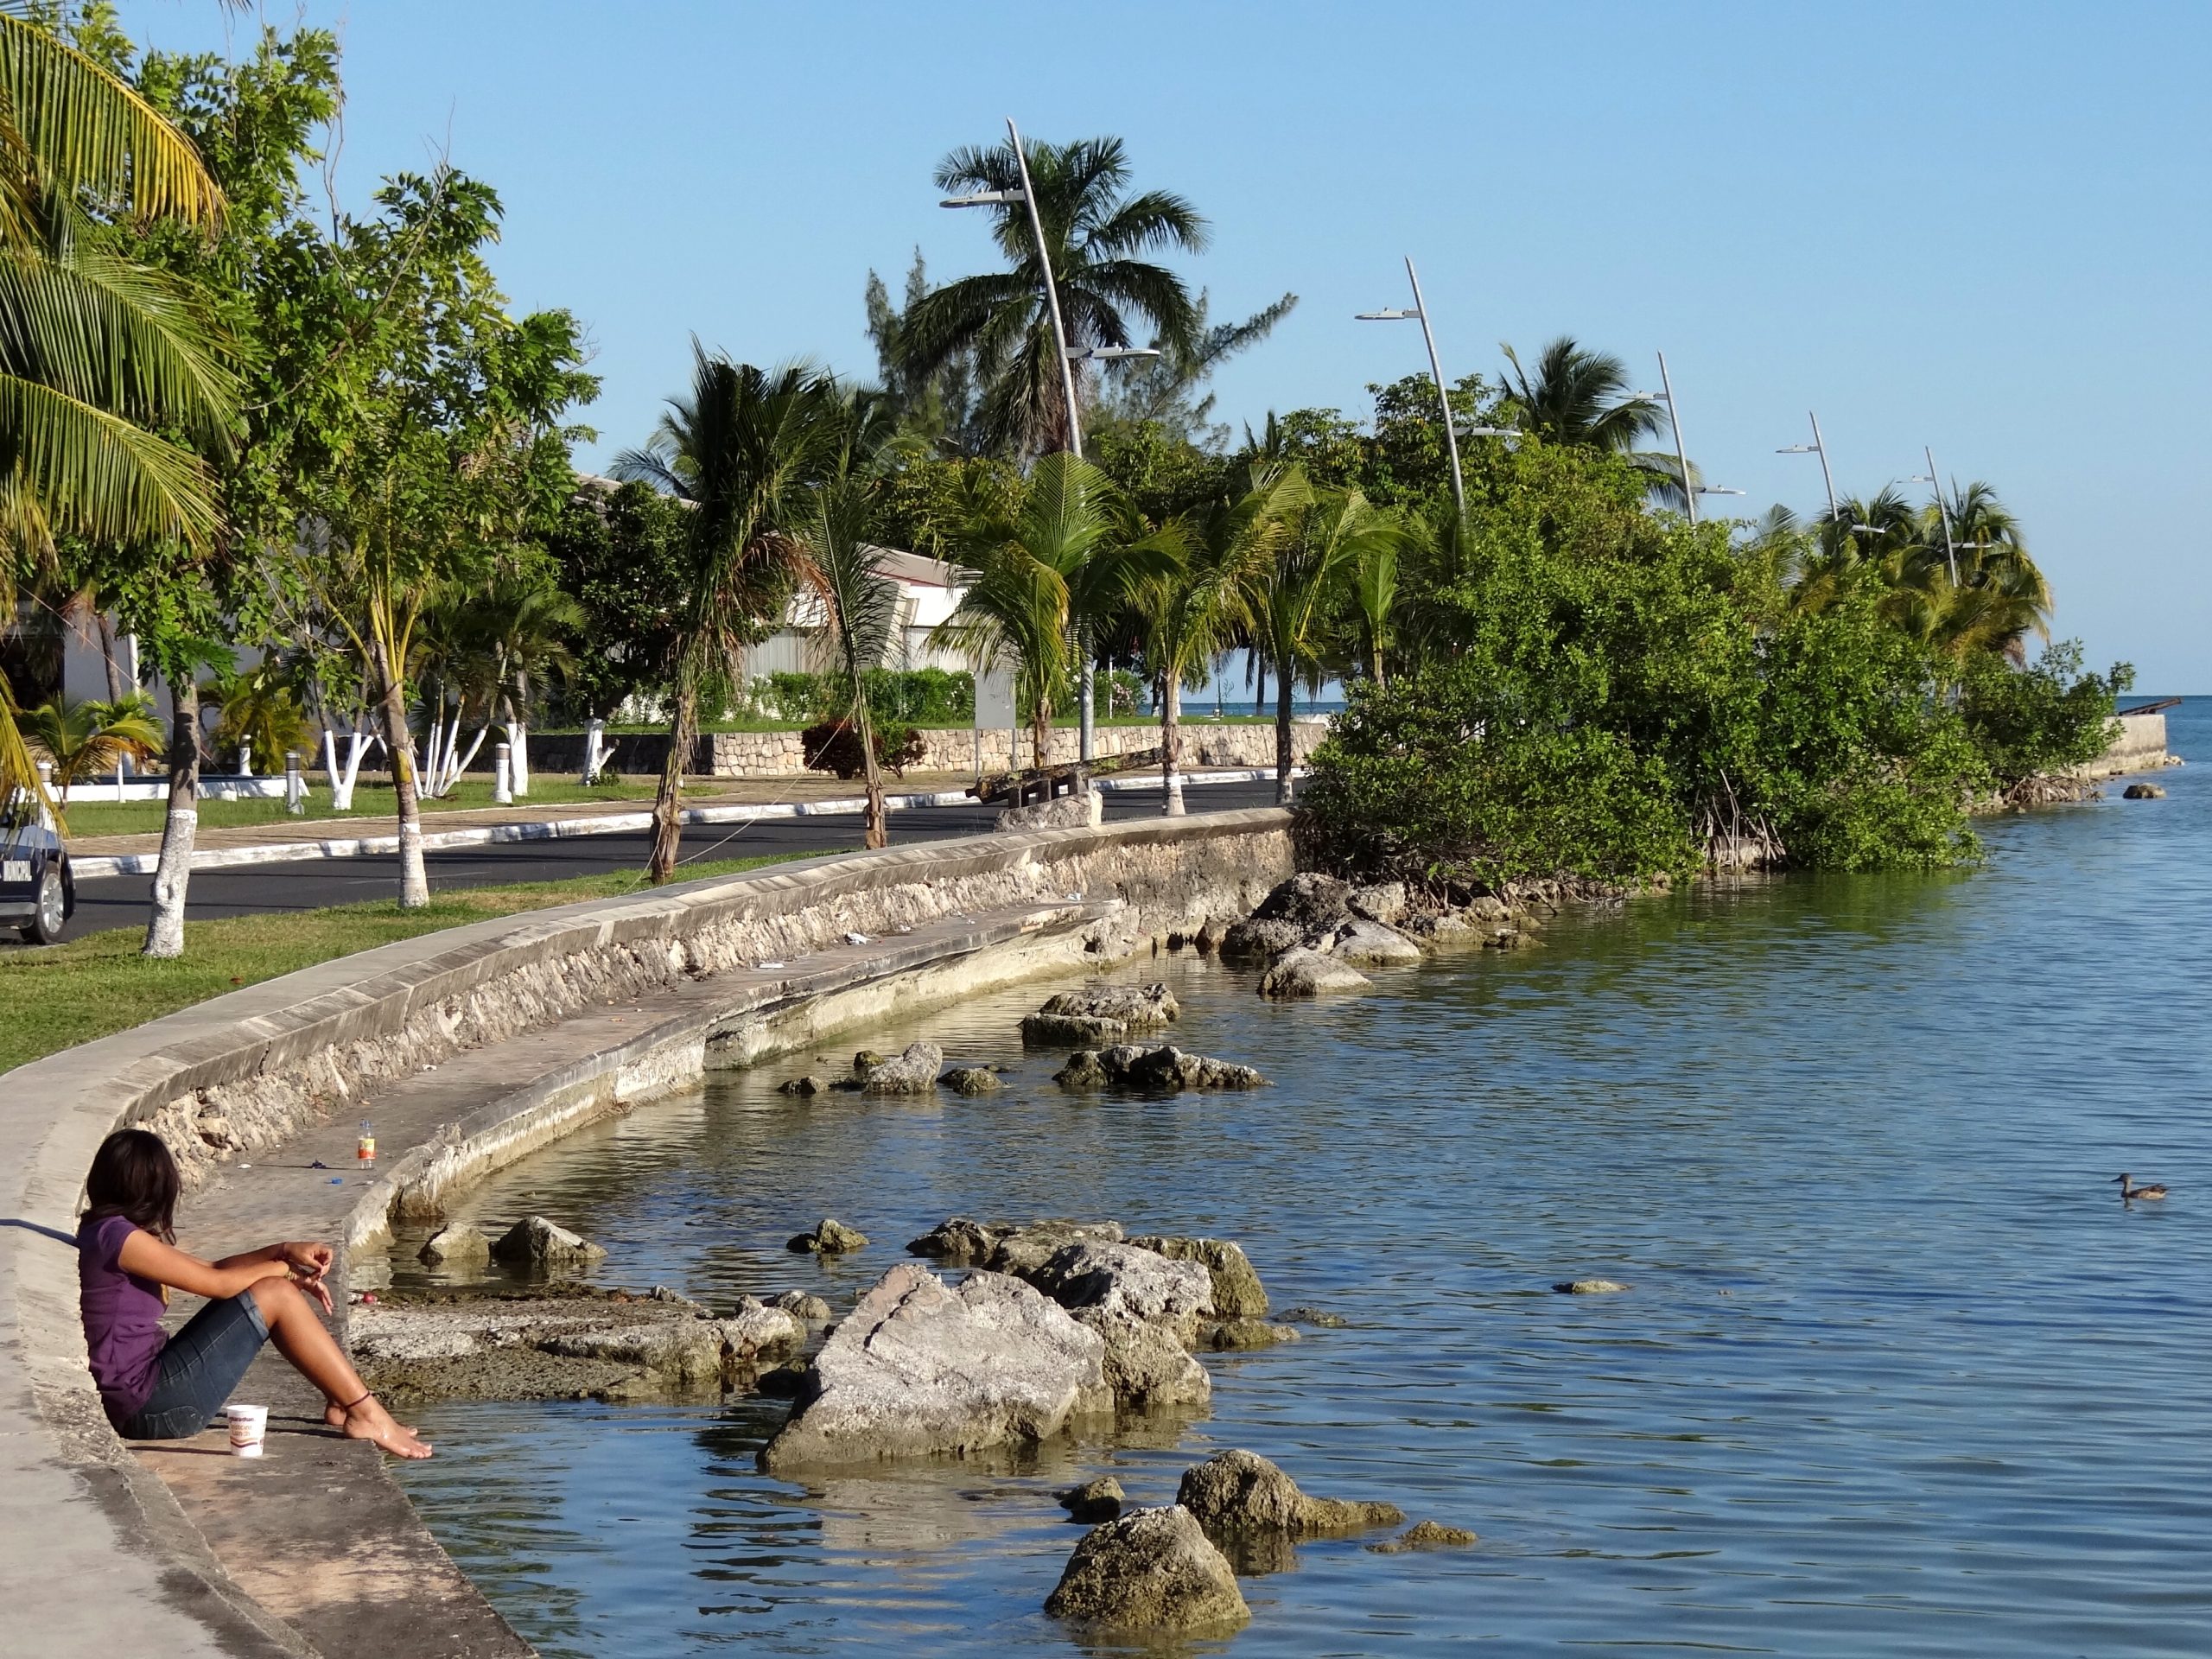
364 1149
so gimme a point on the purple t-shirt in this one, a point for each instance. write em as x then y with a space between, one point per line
123 1317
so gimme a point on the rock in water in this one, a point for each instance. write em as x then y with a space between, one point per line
1588 1287
802 1305
1370 944
1258 942
1241 1491
1126 1279
972 1080
1237 1292
537 1243
920 1367
1318 1316
1209 937
1248 1333
1154 1569
808 1085
913 1072
831 1239
1384 902
1310 902
1161 1069
1022 1250
1425 1535
1101 1013
2142 793
1303 973
958 1240
1094 1500
455 1247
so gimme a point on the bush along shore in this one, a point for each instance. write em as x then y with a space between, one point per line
995 1334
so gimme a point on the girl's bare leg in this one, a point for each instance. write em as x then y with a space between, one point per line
299 1337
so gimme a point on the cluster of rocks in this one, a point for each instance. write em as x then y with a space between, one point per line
1161 1069
534 1243
1168 1568
1101 1013
917 1068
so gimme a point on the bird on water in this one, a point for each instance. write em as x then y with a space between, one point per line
2129 1190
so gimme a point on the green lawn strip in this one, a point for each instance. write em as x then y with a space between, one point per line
64 995
90 816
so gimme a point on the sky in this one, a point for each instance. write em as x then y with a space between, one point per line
1979 228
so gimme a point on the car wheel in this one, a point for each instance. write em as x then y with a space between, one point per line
52 913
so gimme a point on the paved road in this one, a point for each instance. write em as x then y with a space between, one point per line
260 889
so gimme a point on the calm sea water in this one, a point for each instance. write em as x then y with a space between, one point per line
1898 1373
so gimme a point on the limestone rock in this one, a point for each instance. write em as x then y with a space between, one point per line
913 1072
535 1241
1124 1278
972 1080
1311 902
808 1085
685 1352
802 1305
1094 1500
832 1238
1241 1491
1231 1334
1209 936
1425 1535
1317 1316
958 1240
921 1367
865 1062
1258 942
1384 902
1303 972
1587 1287
2144 792
1022 1250
457 1246
1101 1013
1237 1292
1159 1069
1370 944
1154 1570
1086 810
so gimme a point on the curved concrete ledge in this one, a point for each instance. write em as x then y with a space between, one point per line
725 969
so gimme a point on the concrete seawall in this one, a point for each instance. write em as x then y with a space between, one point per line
2139 745
471 1047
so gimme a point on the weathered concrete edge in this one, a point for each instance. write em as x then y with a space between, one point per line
53 1112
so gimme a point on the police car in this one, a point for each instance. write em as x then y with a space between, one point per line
37 893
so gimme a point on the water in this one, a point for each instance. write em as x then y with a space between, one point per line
1898 1373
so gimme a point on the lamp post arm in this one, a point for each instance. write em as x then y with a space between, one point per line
1443 398
1821 449
1943 512
1681 454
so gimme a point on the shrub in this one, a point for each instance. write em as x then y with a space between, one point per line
834 745
2033 721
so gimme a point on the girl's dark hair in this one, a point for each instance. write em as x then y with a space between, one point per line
133 1176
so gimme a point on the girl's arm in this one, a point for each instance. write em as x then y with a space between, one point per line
147 1256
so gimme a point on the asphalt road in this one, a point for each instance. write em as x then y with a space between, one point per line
310 884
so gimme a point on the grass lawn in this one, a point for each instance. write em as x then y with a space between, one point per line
90 816
68 994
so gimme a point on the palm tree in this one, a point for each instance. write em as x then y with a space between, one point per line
740 449
1582 398
860 606
1046 559
1096 233
525 625
96 351
79 739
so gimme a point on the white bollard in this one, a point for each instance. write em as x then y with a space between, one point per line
503 792
296 785
46 793
246 758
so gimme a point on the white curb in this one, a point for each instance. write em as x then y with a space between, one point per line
606 824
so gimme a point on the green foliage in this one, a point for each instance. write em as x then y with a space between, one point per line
262 706
918 696
834 745
2036 720
621 554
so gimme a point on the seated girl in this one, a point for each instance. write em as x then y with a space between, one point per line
157 1387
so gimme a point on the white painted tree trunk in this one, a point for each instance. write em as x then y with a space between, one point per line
173 873
518 757
1171 735
341 783
414 879
458 765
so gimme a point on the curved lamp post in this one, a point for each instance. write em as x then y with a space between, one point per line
1419 314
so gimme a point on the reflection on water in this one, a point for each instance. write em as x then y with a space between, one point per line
1897 1371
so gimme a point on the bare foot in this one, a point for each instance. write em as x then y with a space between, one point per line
334 1415
368 1421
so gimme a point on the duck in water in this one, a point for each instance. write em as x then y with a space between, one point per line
2128 1190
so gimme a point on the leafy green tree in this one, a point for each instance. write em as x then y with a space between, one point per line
742 448
2031 723
1582 397
619 554
1170 392
1096 233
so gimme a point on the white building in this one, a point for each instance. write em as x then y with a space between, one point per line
928 591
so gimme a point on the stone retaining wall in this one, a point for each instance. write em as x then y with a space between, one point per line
2140 746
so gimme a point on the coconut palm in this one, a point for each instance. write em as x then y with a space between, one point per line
95 351
524 624
741 449
1047 559
1582 398
262 712
1096 233
80 739
845 571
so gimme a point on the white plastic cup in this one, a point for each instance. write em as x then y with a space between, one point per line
249 1429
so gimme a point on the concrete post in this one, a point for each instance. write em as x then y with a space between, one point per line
296 785
594 753
245 757
46 792
503 792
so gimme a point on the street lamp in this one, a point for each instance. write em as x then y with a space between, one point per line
1419 314
1816 448
1109 353
1666 395
1943 512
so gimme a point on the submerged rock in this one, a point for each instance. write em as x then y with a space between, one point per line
913 1072
1161 1069
1094 1500
921 1367
1242 1491
2144 792
832 1237
1210 934
1154 1569
958 1240
972 1080
458 1246
1317 1316
1101 1013
1370 944
535 1242
1237 1292
1232 1334
807 1085
802 1305
1588 1287
1303 973
1425 1535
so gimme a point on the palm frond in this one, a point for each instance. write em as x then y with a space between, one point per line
97 474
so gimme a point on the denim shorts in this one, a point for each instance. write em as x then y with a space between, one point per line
198 1368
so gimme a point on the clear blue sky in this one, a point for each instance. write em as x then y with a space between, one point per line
1982 227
